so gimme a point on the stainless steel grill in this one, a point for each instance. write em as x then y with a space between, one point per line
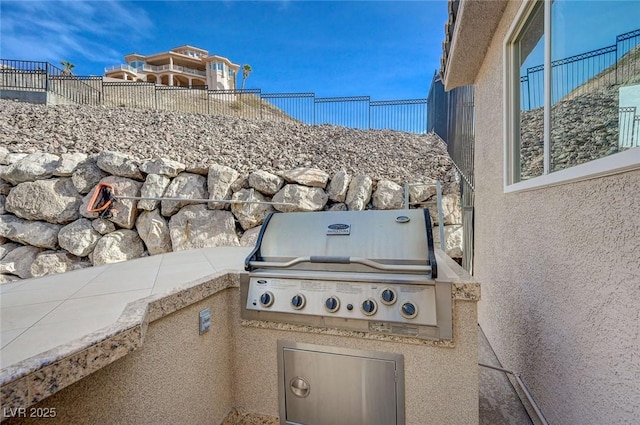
371 271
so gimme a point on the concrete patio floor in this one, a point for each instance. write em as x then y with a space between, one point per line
499 402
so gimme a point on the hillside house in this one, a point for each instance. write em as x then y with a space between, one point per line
182 66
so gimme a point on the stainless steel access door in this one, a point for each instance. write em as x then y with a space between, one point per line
333 386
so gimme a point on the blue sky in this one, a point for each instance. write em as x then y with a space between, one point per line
384 49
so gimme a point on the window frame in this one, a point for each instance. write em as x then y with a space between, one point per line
612 164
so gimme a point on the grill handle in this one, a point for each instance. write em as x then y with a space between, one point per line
334 260
342 260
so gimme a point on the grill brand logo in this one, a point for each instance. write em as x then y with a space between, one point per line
339 229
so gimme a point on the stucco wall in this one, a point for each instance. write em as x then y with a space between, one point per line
180 377
441 384
176 377
39 97
561 275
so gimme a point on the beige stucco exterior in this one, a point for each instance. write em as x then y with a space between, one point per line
177 377
180 377
560 268
181 66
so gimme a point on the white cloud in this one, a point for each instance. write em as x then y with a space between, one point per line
55 30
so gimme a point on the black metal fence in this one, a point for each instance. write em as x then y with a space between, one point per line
355 111
137 95
45 77
299 106
596 69
460 132
437 107
346 111
409 115
18 74
452 117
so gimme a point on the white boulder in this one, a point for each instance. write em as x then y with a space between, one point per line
79 237
294 197
35 166
253 214
163 166
54 262
338 186
359 193
154 187
265 182
36 233
388 196
18 262
154 232
219 182
121 245
312 177
54 200
186 186
195 226
118 164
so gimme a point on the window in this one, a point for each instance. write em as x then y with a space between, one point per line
219 66
572 89
137 65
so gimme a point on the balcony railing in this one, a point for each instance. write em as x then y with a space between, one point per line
123 67
156 68
189 70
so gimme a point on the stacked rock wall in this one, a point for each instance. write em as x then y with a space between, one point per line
45 226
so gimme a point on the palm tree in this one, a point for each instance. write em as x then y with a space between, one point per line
68 66
246 69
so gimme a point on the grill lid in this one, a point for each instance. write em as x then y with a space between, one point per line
391 241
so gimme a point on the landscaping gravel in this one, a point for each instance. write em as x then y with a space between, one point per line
243 144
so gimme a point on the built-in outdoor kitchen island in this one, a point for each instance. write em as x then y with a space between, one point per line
221 349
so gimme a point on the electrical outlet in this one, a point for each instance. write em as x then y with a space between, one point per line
205 320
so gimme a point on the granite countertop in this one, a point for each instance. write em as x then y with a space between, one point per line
60 328
33 379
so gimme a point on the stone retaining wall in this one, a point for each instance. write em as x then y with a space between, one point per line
45 227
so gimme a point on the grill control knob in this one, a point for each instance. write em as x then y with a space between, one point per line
409 310
266 299
298 301
388 296
369 307
332 304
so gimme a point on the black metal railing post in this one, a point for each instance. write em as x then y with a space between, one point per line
46 78
208 100
101 94
314 110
